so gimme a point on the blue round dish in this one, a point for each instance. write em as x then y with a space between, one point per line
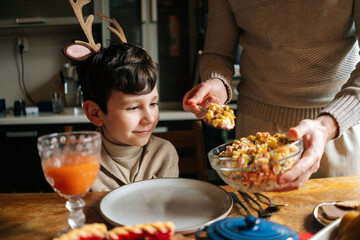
247 228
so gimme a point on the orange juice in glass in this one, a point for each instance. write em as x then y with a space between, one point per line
74 176
70 162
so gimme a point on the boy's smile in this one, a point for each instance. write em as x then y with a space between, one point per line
143 132
130 118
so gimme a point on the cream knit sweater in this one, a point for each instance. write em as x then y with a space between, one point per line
121 165
299 59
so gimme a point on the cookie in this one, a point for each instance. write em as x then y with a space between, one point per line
333 212
348 204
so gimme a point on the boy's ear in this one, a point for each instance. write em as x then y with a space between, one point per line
93 112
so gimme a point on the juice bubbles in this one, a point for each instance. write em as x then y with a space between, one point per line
71 174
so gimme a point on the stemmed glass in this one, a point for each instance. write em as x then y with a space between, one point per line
71 162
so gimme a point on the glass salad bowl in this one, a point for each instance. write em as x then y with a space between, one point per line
254 163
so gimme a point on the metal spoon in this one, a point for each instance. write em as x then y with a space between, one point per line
205 111
202 108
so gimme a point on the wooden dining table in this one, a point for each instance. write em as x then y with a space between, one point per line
42 215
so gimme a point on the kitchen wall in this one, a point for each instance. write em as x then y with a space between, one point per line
42 63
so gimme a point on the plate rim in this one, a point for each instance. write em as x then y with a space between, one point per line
316 213
187 230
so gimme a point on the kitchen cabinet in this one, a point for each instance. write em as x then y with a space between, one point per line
23 18
20 161
21 165
37 13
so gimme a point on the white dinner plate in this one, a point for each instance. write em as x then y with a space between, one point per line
188 203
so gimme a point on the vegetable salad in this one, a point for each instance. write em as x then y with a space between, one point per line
254 163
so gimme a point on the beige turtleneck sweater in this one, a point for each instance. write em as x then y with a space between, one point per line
299 57
121 165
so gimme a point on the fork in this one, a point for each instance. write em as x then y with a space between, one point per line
263 213
202 108
238 201
272 206
205 111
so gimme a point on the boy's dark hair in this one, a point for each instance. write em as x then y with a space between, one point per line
120 67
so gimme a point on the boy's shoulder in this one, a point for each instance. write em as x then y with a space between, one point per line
159 144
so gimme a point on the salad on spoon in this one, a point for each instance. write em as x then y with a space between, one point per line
219 116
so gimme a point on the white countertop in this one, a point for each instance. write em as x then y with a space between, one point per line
76 115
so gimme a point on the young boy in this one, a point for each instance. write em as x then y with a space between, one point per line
119 87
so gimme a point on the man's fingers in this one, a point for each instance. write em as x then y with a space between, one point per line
294 134
198 94
297 176
306 162
293 185
300 130
296 184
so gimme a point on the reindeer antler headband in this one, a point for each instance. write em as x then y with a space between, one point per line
80 50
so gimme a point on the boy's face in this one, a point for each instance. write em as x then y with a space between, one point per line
131 118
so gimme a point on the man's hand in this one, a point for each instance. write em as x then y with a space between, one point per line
203 94
315 133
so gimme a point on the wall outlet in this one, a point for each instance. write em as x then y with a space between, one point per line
23 41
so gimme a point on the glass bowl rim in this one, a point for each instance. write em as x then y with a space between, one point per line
212 158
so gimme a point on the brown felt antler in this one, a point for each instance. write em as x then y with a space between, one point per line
118 31
86 26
